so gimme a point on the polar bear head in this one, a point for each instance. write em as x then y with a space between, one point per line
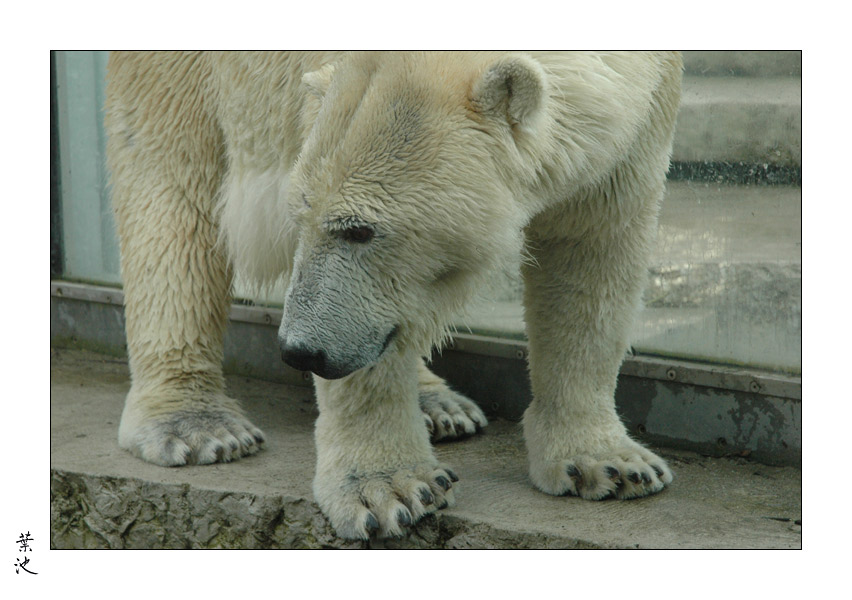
404 199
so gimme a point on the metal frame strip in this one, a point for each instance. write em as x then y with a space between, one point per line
740 379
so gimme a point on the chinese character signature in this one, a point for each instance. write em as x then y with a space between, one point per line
24 546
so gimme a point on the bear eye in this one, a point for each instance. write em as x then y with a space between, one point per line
359 234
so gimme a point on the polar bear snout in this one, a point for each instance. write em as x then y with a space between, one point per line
303 358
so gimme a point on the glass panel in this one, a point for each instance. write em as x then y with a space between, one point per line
725 283
726 279
90 250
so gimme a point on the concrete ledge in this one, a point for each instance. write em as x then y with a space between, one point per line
740 63
101 497
740 119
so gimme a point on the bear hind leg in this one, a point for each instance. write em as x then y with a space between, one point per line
581 295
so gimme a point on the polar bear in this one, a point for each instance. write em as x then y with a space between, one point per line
386 188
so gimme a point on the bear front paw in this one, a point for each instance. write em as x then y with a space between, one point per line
196 434
383 504
625 471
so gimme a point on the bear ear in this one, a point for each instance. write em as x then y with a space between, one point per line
316 82
513 87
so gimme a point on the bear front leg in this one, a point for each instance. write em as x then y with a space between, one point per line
376 472
164 152
581 296
198 428
176 307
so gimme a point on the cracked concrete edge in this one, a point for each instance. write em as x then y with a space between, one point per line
91 511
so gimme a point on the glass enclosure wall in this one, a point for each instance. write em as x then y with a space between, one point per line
725 283
90 250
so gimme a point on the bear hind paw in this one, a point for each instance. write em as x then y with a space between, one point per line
626 474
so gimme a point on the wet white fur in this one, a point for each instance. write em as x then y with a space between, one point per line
463 162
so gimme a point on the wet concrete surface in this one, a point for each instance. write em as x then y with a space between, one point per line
103 497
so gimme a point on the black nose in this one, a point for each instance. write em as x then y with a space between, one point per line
303 358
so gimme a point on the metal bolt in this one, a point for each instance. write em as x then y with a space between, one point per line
641 428
671 374
306 375
520 354
754 386
267 318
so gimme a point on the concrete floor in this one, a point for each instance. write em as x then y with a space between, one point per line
101 497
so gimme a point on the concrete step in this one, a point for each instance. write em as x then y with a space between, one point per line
752 120
783 63
101 497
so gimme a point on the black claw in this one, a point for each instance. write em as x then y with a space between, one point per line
452 474
634 477
372 524
574 472
220 452
657 470
426 497
612 473
444 504
403 518
443 482
646 478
